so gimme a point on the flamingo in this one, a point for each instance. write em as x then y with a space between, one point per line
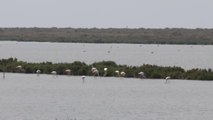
117 73
19 68
68 71
95 71
54 73
83 78
38 72
167 78
141 74
123 74
105 71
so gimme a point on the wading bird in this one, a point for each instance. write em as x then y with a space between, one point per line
19 68
67 71
123 74
95 71
54 73
83 78
141 75
105 71
38 72
167 79
117 72
120 74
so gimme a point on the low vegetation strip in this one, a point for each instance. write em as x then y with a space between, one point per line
110 35
81 68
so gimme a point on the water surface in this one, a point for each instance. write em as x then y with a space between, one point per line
186 56
28 97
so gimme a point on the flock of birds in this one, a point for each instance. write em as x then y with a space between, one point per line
94 71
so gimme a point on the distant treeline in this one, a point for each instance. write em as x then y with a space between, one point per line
110 35
81 68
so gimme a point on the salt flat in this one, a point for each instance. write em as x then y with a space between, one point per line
29 97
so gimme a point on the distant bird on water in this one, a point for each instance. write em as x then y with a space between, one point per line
54 73
167 79
83 78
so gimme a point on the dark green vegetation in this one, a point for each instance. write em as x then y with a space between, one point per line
80 68
110 35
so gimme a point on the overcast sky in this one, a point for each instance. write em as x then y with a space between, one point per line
107 13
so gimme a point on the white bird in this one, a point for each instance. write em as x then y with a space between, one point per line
117 73
68 71
83 78
123 74
54 73
38 72
95 71
19 68
105 71
141 74
167 78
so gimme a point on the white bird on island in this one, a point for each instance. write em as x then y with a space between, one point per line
141 75
105 71
19 68
167 78
117 73
68 71
120 74
54 72
95 71
123 74
93 68
38 72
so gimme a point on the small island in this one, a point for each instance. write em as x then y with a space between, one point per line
78 68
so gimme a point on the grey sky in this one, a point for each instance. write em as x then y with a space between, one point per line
107 13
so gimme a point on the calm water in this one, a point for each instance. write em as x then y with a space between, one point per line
28 97
186 56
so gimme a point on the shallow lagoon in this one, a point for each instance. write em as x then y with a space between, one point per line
28 97
186 56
